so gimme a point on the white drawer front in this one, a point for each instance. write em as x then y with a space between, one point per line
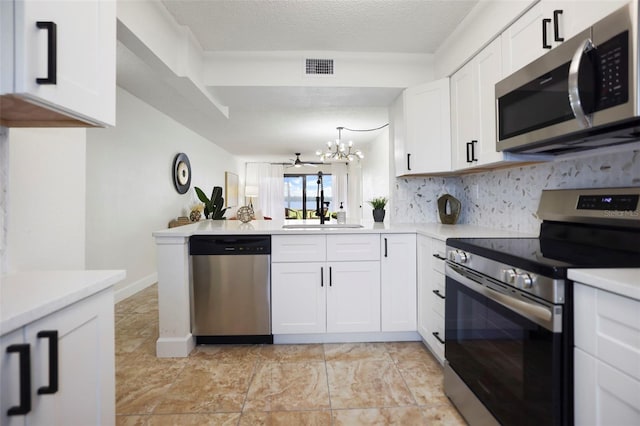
607 326
298 248
346 247
438 250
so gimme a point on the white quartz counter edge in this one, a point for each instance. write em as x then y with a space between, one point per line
623 281
268 227
28 296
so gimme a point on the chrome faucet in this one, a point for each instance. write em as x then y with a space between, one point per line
320 199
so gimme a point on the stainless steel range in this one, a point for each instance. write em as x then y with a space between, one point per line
509 306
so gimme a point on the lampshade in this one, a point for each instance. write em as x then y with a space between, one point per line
250 191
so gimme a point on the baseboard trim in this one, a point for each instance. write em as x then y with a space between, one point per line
397 336
175 347
134 287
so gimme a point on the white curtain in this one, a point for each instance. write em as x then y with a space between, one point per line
269 178
339 172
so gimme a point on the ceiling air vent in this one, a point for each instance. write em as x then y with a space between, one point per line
319 67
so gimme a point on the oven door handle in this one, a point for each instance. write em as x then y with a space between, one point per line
538 313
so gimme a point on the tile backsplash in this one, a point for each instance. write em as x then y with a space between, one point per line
508 198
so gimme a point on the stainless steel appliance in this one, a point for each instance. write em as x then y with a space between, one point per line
582 94
231 298
509 306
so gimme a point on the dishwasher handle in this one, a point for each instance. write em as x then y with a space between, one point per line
217 245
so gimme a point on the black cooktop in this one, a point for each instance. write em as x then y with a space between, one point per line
559 247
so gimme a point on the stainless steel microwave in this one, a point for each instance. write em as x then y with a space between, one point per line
581 95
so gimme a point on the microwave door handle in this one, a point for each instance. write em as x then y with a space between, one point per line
574 91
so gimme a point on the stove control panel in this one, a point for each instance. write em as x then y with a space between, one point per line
458 256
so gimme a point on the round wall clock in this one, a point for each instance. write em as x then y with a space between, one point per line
182 173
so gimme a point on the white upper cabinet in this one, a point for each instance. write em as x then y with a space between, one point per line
548 24
58 63
422 133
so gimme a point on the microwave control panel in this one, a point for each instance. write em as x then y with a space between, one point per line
612 71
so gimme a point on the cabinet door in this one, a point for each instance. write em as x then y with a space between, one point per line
10 378
424 284
428 127
85 55
397 130
464 94
348 247
488 67
298 297
398 286
353 297
576 16
522 41
86 364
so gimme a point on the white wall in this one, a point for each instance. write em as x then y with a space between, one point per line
376 174
46 199
4 176
130 190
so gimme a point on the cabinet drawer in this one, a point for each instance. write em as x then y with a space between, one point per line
438 250
607 326
346 247
437 331
298 248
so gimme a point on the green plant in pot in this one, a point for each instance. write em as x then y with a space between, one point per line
214 205
378 205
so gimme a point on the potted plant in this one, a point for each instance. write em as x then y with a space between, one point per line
214 205
378 205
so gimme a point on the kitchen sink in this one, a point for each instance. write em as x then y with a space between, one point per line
321 226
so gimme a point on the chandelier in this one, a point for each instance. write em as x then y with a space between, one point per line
338 150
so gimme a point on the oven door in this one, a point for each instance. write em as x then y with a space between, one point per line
509 351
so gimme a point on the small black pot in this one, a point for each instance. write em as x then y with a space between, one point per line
378 215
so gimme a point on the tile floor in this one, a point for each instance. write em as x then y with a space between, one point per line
324 384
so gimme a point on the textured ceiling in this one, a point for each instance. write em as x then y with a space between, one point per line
268 121
402 26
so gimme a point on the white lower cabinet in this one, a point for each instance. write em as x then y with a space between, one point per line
398 272
431 293
606 358
312 295
85 389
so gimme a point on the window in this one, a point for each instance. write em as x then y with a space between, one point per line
300 192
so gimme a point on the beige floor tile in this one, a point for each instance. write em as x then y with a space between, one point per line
366 384
425 382
356 352
288 386
410 351
226 353
208 387
442 415
210 419
131 420
286 418
292 353
409 416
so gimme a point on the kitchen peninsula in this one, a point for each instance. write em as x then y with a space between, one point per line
174 276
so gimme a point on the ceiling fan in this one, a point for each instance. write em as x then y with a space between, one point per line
299 163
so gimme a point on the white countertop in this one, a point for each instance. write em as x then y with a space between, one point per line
28 296
435 230
622 281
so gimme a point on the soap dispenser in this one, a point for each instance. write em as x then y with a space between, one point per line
341 215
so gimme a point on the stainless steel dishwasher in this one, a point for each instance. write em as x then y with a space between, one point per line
231 298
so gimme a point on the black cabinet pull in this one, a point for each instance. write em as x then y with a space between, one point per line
385 247
556 26
468 157
473 151
545 45
52 336
321 276
25 379
437 293
330 278
52 52
408 161
437 336
437 256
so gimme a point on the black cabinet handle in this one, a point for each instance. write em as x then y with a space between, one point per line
437 256
52 52
52 336
468 144
437 293
321 276
330 277
437 336
473 151
545 45
385 247
25 379
408 161
556 26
